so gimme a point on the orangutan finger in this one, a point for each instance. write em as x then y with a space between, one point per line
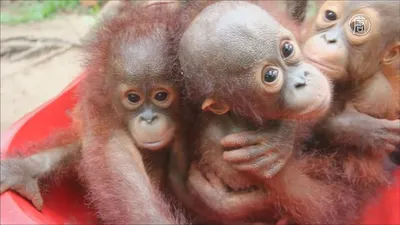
392 138
273 170
31 191
197 180
215 181
389 148
245 154
241 139
243 202
391 125
258 165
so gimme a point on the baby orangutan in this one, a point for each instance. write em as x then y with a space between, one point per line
364 64
357 45
129 102
130 93
140 82
246 72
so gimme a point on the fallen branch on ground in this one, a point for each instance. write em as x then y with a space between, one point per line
23 47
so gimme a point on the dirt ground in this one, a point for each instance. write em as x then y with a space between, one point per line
28 83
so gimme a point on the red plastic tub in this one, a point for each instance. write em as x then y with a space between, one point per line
64 203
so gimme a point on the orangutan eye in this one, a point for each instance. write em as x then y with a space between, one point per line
330 15
271 75
287 49
161 96
133 98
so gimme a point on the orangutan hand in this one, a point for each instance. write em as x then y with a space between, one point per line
19 175
262 153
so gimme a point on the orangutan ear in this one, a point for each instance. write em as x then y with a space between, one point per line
392 55
215 107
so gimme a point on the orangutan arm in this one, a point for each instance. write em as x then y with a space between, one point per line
120 187
363 131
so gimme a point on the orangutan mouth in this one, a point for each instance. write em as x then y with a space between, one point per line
321 66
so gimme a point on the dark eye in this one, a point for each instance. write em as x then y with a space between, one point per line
287 49
134 98
330 15
271 75
161 96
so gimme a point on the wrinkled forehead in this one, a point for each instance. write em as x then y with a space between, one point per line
236 32
353 6
144 56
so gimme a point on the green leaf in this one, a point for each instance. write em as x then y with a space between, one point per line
37 10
